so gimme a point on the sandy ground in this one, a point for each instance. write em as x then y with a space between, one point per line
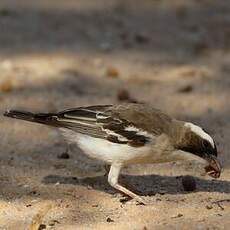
60 54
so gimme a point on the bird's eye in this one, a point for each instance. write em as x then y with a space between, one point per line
205 144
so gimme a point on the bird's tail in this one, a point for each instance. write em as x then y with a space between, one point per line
43 118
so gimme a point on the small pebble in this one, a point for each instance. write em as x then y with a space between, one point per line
53 222
209 207
112 72
64 155
6 86
186 89
189 183
33 192
123 95
162 192
141 38
42 226
178 216
109 220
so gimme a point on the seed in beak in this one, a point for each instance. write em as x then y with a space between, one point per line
214 167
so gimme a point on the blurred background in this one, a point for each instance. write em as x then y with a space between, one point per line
59 54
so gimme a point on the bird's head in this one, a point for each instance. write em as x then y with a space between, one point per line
199 144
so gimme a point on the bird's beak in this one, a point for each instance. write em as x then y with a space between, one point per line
214 167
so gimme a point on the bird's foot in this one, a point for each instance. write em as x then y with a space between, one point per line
140 200
137 200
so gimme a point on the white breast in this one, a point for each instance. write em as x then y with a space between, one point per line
109 152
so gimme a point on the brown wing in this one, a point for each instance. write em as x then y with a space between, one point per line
142 116
100 121
124 124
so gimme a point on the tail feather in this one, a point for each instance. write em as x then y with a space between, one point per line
70 119
43 118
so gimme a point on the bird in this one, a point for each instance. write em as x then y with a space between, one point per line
130 133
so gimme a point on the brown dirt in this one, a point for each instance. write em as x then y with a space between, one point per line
172 54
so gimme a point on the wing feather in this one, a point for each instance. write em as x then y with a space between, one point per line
97 121
133 124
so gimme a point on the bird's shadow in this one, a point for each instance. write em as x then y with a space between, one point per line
143 185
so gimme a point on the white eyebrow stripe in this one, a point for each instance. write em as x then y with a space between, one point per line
199 131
